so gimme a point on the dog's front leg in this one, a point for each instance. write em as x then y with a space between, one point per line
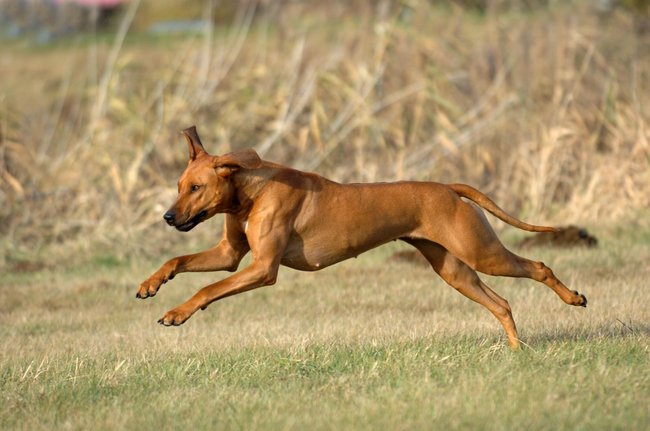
224 257
251 277
268 237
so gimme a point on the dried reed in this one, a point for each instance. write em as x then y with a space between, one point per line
543 110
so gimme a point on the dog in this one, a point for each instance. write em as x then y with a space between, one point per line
307 222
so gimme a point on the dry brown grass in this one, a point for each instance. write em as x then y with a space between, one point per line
543 110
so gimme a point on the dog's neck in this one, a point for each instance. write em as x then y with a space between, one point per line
248 184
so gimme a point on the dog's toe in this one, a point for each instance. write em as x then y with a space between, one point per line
582 300
175 317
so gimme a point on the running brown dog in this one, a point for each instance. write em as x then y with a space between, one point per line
307 222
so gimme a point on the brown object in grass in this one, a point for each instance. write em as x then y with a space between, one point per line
569 236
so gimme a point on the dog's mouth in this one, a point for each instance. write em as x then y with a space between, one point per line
191 223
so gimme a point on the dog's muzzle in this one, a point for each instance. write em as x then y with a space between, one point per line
170 218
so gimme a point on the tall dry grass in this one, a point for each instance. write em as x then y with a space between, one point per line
543 109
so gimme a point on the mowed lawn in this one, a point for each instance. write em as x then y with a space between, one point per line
367 344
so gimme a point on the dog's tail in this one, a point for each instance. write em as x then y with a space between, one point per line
485 202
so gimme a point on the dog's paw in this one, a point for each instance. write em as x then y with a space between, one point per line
175 317
581 301
150 287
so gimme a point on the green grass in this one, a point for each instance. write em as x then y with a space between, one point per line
586 384
363 345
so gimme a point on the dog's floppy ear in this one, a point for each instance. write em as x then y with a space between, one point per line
193 142
228 163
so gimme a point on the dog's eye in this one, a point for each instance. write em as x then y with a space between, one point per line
194 187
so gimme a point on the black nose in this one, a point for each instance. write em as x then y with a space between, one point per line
169 217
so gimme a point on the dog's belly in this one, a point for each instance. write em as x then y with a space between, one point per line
300 262
304 257
314 258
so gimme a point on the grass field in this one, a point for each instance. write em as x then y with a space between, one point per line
363 345
540 104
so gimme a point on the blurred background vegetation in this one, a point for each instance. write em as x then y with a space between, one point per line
540 103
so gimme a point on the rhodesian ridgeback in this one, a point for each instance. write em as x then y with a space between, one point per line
307 222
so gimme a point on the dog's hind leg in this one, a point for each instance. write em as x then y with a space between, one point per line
464 279
473 241
511 265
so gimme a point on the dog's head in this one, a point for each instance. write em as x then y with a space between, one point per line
206 187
